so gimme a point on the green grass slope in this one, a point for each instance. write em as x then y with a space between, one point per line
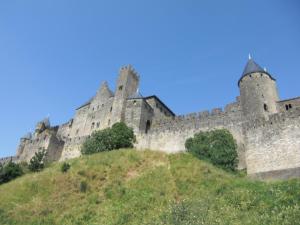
146 187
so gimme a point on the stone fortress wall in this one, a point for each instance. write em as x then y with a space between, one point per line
266 129
273 145
169 135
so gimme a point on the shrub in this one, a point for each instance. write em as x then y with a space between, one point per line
217 146
116 137
65 167
37 162
9 172
83 186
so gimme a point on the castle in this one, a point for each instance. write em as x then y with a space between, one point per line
267 129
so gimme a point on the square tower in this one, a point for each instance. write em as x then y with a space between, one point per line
127 85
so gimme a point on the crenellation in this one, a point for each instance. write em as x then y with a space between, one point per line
267 130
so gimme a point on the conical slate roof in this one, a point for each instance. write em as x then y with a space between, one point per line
253 67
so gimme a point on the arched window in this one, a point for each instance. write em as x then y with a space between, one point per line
148 126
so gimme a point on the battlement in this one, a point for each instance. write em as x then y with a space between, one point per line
273 119
209 119
129 69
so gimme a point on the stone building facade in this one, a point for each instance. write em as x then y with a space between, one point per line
267 129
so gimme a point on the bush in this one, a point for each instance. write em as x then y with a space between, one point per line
217 146
65 167
83 186
37 162
116 137
9 172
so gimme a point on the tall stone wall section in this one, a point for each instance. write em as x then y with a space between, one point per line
170 135
273 145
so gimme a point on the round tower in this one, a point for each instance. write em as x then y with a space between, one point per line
258 91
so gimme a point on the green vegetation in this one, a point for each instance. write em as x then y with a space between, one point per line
217 147
37 162
9 172
116 137
65 167
146 187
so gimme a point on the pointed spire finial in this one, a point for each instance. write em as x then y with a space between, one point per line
265 69
249 56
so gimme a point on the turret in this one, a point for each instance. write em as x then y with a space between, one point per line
258 91
127 85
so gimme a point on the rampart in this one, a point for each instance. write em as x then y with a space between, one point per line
273 145
169 135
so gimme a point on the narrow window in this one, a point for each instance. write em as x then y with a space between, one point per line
110 108
286 107
98 124
148 125
121 87
266 107
93 125
290 106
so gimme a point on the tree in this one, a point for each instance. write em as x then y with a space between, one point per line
116 137
217 146
9 172
37 162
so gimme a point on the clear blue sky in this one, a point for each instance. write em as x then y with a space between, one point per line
55 53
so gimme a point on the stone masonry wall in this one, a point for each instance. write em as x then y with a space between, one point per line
274 144
170 135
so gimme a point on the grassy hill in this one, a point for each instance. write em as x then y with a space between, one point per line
146 187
